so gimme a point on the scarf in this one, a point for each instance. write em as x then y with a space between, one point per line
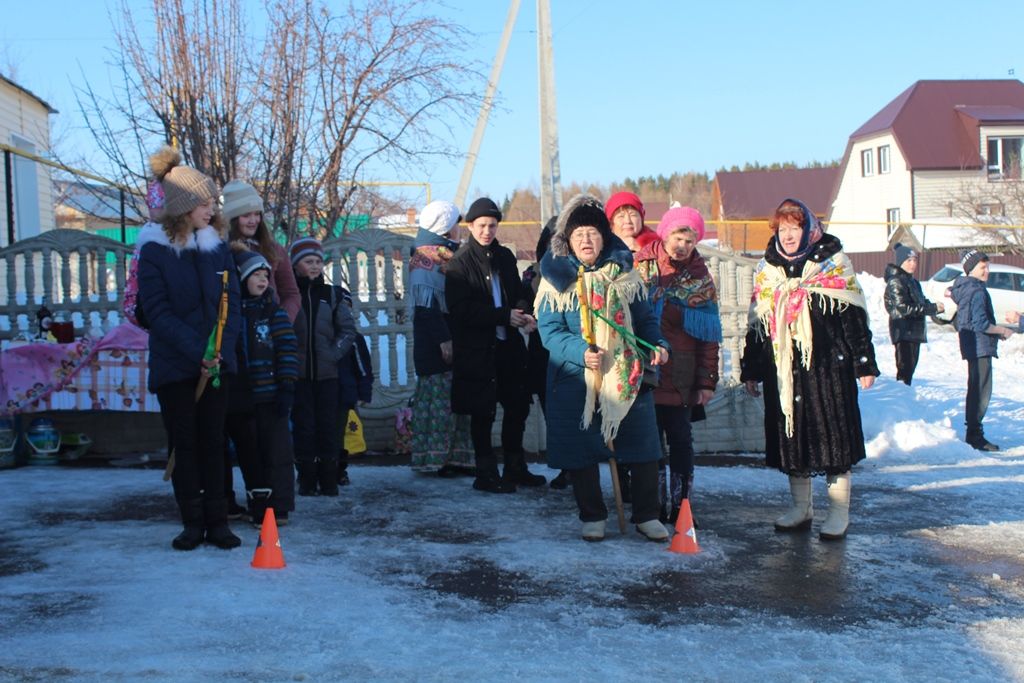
612 388
427 266
780 304
689 286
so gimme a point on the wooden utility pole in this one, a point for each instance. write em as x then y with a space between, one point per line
550 169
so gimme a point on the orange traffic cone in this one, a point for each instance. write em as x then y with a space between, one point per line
685 539
268 549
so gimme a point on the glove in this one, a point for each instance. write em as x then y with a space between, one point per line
285 399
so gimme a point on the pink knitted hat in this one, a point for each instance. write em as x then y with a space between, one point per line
681 217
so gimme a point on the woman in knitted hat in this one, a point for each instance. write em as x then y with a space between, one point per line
440 439
809 342
626 215
685 300
181 267
907 307
596 408
243 209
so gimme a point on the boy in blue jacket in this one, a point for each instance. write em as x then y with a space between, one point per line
263 393
979 337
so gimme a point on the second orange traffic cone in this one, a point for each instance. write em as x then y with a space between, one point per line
685 540
268 549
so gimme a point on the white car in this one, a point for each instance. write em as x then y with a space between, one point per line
1005 286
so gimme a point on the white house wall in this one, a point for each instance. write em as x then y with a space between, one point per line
23 115
859 210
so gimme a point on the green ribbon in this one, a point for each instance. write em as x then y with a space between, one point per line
626 334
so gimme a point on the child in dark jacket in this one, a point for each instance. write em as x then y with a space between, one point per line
326 330
263 393
182 267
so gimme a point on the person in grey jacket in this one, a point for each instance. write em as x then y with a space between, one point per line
325 330
979 338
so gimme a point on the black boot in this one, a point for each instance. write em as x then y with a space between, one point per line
217 530
192 518
976 439
327 475
487 479
343 479
517 473
624 483
561 481
307 478
259 500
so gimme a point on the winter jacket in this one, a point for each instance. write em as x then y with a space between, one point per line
569 447
828 437
693 365
180 290
906 305
473 319
355 375
974 315
267 353
324 328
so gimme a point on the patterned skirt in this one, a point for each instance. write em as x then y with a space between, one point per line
439 437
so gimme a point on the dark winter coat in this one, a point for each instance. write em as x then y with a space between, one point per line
568 446
906 305
180 290
324 327
693 365
267 353
473 319
974 315
355 375
828 437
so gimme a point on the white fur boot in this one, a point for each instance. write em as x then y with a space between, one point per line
799 516
838 517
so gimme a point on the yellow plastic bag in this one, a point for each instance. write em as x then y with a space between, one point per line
354 440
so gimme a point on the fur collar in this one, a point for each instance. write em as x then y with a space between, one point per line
205 239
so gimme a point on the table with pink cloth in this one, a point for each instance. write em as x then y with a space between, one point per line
88 374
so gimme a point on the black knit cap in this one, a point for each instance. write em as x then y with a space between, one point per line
971 258
483 207
591 214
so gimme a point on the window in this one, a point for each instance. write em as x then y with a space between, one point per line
867 163
1000 281
947 274
1004 160
883 159
892 217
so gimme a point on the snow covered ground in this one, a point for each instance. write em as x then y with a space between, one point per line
413 578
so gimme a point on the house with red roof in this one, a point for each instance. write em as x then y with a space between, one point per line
743 201
934 160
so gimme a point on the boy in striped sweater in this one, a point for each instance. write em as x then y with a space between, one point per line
263 393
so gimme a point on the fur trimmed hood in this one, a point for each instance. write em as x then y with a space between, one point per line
205 239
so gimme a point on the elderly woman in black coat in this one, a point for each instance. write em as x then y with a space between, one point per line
809 343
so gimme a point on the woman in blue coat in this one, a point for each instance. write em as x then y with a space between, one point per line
181 266
595 399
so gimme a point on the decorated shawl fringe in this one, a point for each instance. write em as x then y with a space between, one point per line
549 298
427 296
703 323
780 304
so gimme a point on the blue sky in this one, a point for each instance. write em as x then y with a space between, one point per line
644 88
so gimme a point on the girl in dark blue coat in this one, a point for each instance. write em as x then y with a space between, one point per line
595 402
181 266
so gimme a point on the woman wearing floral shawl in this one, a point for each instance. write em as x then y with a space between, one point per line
684 298
809 342
595 402
440 439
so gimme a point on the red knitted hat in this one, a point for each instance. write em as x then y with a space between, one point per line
620 199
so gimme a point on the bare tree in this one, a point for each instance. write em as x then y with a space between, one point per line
991 204
308 113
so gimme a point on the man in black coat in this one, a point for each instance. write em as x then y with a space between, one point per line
907 307
485 301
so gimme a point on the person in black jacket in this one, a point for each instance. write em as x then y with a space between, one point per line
907 307
485 302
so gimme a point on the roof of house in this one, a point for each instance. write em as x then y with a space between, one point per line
935 123
31 94
756 194
99 201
